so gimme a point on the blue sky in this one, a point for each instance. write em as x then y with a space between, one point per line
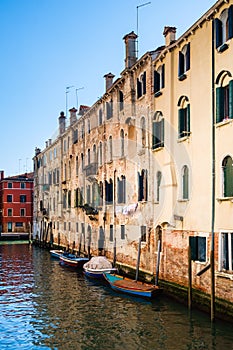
47 45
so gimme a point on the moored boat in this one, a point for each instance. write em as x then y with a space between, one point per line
95 267
129 286
55 253
72 260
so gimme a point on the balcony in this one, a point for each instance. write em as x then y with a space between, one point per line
91 169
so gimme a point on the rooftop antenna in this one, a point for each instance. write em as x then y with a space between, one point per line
145 4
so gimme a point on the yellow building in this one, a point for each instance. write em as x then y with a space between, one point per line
152 160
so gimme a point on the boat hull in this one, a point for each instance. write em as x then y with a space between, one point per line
97 273
72 261
128 286
56 253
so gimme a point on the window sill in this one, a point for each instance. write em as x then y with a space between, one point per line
184 138
182 77
156 149
222 48
224 122
183 200
225 199
226 275
158 93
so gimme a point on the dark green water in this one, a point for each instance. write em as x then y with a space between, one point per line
46 306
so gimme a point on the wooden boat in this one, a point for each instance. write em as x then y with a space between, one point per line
95 267
129 286
55 253
72 260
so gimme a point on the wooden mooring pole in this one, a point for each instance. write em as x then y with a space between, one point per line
158 263
189 278
138 260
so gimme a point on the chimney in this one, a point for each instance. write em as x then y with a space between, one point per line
170 35
62 123
130 49
73 117
37 151
1 174
108 80
46 144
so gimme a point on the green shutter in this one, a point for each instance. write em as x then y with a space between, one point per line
231 99
228 178
219 104
180 122
188 118
193 245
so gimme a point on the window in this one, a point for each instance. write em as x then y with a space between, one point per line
143 131
141 85
224 97
142 185
122 143
95 195
78 198
109 191
121 101
185 182
9 212
18 224
88 156
100 117
82 162
64 199
76 165
110 148
183 117
143 233
159 82
9 185
158 131
88 189
101 239
109 108
184 61
227 167
88 126
223 29
75 136
9 198
64 226
100 154
122 231
111 233
23 198
94 154
69 199
226 252
158 183
22 212
121 187
198 248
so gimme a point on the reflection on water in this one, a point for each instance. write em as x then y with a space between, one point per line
46 306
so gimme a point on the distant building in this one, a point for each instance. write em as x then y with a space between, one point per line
16 202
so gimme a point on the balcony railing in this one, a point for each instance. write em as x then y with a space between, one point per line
91 169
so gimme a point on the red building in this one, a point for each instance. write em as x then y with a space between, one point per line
16 203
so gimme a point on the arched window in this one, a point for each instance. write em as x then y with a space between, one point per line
94 154
227 166
158 236
185 182
142 185
122 143
100 154
88 156
76 165
121 101
224 97
184 61
158 130
223 29
159 79
183 117
100 117
110 148
143 131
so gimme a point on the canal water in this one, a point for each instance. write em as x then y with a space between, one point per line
46 306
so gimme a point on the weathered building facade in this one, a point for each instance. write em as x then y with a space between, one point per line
151 159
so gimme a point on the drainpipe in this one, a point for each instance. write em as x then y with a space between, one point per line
213 183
